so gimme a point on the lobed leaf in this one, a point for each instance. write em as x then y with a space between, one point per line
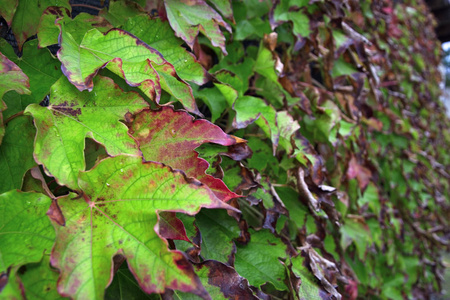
72 116
122 197
23 218
159 35
187 18
170 137
125 55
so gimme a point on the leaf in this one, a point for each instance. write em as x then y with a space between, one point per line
125 55
119 12
2 126
287 127
170 137
27 15
222 281
159 35
39 280
187 18
358 171
7 9
48 30
42 69
72 116
16 153
10 286
170 227
258 261
356 230
12 77
125 287
122 197
23 218
214 99
309 288
218 230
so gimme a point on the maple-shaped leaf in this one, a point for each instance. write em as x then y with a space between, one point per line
72 116
25 230
122 197
26 17
170 137
125 55
160 36
187 18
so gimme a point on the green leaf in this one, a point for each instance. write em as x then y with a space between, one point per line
12 77
258 261
72 116
125 287
117 216
309 288
214 99
356 230
125 55
160 36
170 137
27 15
119 12
218 230
42 69
39 281
224 7
188 18
12 289
7 9
16 153
23 218
287 11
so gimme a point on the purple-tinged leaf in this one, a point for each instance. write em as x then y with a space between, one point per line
12 77
125 55
170 227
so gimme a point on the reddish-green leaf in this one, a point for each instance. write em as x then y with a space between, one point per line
118 215
125 55
12 77
7 9
187 18
170 137
72 116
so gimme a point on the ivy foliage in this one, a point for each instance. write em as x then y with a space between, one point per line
221 149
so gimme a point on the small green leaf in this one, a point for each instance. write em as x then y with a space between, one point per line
7 9
125 55
258 261
23 218
72 116
309 288
12 77
16 153
218 230
159 35
188 18
27 15
125 287
39 281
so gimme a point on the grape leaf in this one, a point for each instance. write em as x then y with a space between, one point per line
39 280
160 36
23 218
187 18
12 77
7 9
258 260
170 227
16 153
170 137
72 116
218 230
27 15
122 197
125 55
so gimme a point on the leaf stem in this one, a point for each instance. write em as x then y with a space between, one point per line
20 113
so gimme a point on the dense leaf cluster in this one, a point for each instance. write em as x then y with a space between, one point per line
290 149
